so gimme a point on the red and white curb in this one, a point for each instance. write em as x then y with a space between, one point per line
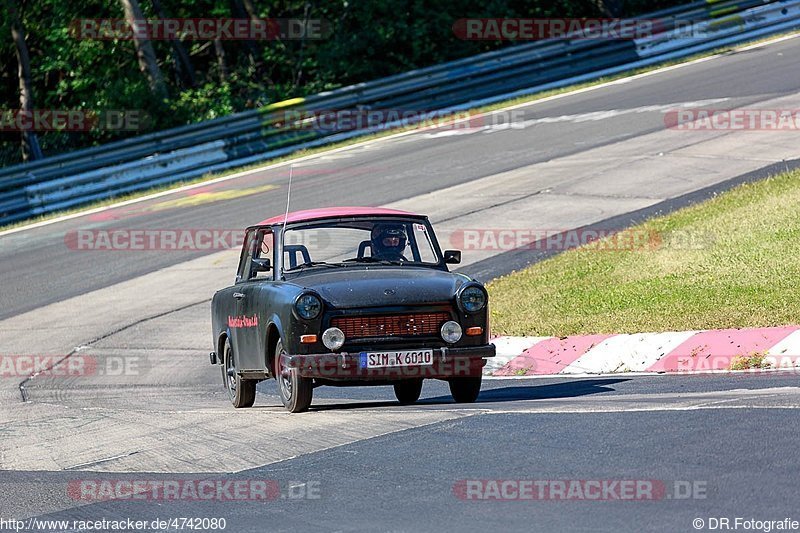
681 351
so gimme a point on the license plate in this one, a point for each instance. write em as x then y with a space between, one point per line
398 358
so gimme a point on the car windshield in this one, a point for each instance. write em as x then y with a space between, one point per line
348 242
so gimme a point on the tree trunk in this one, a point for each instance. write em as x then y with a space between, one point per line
255 52
239 11
221 63
30 142
298 70
145 53
183 63
610 8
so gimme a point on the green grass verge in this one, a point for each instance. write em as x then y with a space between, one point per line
374 136
739 269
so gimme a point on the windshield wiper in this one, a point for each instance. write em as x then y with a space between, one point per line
372 260
311 264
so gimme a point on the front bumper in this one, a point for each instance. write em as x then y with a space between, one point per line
347 366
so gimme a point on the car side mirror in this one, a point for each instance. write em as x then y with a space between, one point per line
260 265
452 257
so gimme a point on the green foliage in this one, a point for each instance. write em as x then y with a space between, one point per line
754 361
368 40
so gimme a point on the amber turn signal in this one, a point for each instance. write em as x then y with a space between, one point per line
308 339
475 330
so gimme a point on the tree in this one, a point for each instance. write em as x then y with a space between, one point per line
255 52
222 64
146 55
183 64
610 8
30 142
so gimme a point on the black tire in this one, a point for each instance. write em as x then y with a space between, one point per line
465 390
296 392
241 392
408 391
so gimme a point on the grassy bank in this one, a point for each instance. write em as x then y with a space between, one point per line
729 262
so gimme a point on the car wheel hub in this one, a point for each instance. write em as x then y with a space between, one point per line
230 370
285 378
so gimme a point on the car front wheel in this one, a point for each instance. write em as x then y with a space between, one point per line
465 390
295 391
407 392
241 392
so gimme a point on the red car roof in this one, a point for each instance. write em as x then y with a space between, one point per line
333 212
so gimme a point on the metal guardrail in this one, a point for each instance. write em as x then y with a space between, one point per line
187 152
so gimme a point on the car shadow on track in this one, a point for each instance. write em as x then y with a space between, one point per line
569 389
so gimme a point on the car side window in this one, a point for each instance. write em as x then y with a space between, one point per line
245 260
264 250
424 251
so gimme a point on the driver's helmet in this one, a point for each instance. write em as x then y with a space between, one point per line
388 241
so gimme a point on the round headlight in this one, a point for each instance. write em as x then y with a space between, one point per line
473 299
333 338
451 332
308 306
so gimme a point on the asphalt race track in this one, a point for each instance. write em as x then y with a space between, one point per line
150 409
730 438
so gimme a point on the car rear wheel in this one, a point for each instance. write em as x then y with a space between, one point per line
465 390
408 391
241 392
295 391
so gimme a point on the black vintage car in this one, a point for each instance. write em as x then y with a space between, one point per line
349 296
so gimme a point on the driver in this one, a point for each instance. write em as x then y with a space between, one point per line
388 242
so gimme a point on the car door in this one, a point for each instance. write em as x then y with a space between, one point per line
231 300
253 304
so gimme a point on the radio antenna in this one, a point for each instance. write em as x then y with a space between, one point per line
286 214
288 197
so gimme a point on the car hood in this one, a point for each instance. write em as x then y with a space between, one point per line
382 286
